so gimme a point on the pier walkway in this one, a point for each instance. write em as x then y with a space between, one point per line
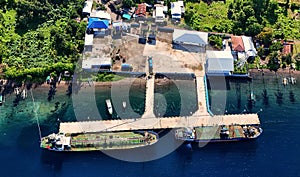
149 102
201 96
157 123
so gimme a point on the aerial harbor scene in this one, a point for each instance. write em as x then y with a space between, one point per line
118 88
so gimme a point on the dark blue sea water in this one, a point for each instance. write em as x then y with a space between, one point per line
275 153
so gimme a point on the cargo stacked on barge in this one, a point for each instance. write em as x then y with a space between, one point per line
219 134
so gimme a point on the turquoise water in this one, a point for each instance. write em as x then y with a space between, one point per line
275 153
175 98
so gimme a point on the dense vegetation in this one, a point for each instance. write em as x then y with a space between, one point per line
247 17
265 20
39 37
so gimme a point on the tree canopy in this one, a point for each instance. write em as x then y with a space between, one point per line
243 17
38 37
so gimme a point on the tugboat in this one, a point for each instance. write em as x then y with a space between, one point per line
98 141
222 133
109 106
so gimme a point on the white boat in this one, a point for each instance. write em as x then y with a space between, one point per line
124 104
284 81
109 106
17 91
1 99
293 80
24 94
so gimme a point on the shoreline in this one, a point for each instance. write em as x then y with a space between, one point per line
7 87
267 72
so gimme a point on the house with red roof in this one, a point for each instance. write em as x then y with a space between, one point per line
141 10
237 44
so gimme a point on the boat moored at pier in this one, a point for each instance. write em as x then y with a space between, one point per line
109 106
98 141
219 133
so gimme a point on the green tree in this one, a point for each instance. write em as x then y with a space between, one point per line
128 3
274 62
252 27
276 46
266 35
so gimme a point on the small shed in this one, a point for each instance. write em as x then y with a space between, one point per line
219 63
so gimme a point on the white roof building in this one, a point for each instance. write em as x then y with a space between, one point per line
101 15
159 14
88 39
94 64
249 46
176 9
219 63
87 7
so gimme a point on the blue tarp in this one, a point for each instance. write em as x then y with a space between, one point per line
97 23
127 16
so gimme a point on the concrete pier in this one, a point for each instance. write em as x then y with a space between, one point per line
157 123
149 103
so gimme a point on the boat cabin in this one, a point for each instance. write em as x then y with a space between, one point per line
59 142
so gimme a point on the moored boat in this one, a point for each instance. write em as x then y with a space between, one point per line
109 106
293 80
98 141
219 133
24 94
1 99
285 81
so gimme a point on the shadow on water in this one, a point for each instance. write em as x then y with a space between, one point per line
292 97
279 97
265 97
223 148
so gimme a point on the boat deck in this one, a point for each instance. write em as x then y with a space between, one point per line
214 132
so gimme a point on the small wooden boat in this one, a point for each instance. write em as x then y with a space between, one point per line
285 81
24 94
109 106
98 141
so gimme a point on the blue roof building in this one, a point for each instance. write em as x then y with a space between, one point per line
97 23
